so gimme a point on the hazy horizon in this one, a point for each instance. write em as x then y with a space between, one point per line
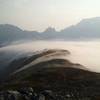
86 53
38 15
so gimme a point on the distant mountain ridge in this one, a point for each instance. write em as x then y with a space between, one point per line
85 29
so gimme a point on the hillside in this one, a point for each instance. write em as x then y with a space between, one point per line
48 70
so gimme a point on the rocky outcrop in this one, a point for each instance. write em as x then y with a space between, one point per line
30 94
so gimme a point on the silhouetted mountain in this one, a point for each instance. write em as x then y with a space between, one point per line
10 33
50 30
85 29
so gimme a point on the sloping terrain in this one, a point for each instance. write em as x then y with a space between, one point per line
26 62
49 70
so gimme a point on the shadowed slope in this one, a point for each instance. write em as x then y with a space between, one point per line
52 72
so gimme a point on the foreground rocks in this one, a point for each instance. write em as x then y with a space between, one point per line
29 94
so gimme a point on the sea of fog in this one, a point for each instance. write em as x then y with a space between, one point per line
86 53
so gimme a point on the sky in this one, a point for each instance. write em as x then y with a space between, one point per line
40 14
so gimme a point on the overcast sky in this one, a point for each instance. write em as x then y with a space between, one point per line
40 14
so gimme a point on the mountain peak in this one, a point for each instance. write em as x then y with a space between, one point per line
9 26
90 21
50 30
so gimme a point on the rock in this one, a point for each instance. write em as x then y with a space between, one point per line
28 93
10 95
48 94
41 97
